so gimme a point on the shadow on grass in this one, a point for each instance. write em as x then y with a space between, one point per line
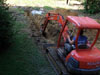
24 57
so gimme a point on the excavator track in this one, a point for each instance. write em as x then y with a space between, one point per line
49 51
55 61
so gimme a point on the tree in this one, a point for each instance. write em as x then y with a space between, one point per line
6 25
92 6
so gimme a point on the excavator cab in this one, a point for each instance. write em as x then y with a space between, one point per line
84 59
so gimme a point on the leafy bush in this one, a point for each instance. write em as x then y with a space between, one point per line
6 23
92 6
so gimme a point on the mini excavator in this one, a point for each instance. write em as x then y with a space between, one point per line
82 60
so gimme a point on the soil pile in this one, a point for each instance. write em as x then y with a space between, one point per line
53 27
65 12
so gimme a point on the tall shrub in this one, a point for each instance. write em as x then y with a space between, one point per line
6 23
92 6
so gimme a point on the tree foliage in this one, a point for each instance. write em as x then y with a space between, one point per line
6 24
92 6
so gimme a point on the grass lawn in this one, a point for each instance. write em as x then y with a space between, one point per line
24 57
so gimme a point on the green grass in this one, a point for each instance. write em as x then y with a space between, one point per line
48 8
24 57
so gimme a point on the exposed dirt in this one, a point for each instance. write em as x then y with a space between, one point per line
53 28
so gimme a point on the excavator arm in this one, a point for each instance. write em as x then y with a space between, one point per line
53 16
57 17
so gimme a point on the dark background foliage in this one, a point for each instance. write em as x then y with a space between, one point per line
6 24
92 6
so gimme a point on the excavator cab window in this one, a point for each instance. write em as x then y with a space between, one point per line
73 31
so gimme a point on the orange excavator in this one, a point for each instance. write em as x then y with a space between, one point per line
84 59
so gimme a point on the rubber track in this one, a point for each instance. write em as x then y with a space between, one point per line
56 62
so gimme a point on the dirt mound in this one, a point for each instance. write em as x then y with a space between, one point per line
65 12
53 28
